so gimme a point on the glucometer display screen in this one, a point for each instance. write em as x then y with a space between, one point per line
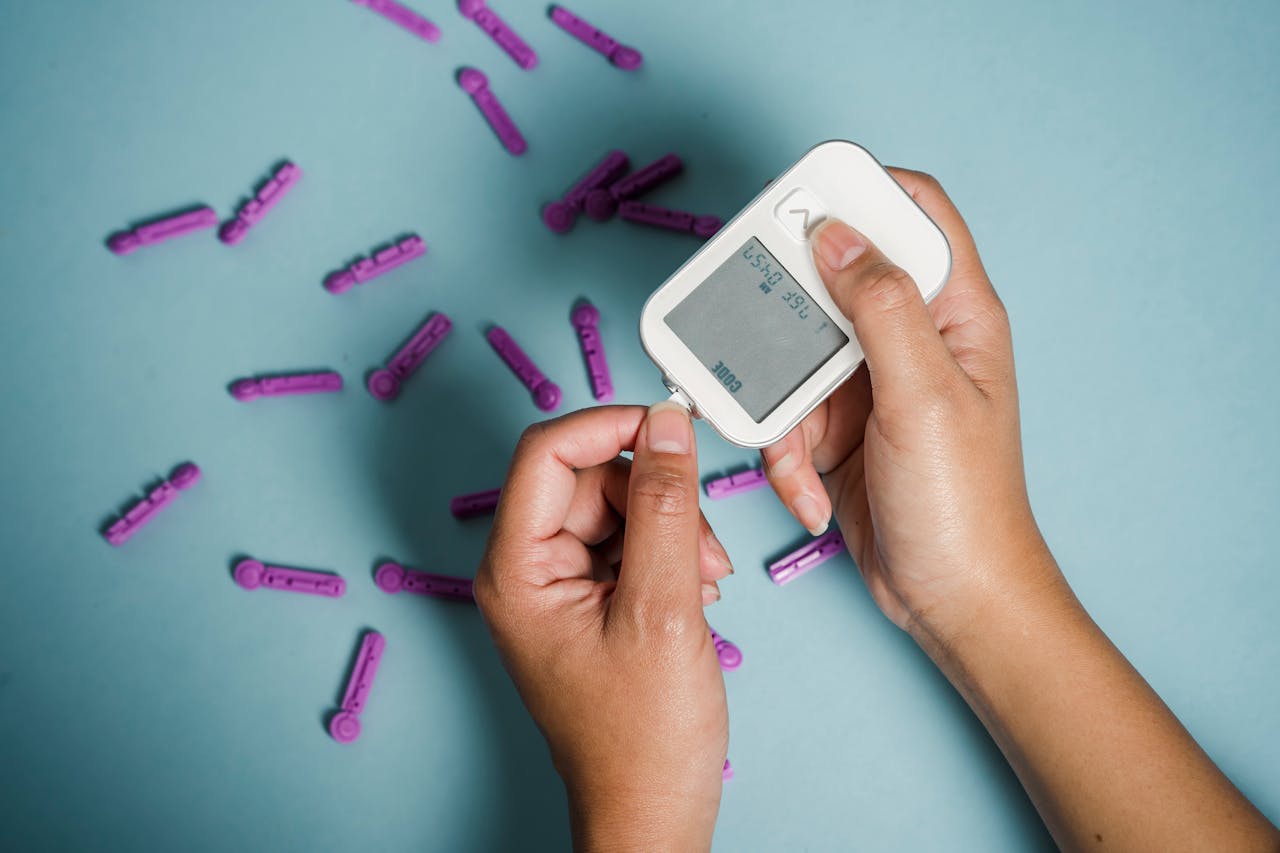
756 329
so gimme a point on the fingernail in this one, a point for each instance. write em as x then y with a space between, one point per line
710 594
839 245
668 429
805 508
721 555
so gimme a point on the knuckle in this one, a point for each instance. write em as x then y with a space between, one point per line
661 493
887 286
993 316
485 594
660 626
530 439
491 599
1000 320
498 595
930 184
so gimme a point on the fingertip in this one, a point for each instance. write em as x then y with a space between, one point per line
836 245
810 512
668 429
715 560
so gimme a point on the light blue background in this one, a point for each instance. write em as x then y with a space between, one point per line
1117 162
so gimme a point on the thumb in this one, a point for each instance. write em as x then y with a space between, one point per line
903 349
660 574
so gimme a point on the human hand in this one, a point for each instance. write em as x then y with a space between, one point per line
919 453
592 586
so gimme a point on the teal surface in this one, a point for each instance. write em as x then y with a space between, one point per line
1118 164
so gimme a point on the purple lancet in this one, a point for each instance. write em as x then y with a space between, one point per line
546 394
736 484
560 215
622 56
586 319
384 384
345 725
141 513
393 577
730 656
159 230
383 261
674 220
254 209
475 84
602 203
403 17
474 504
251 574
804 559
320 382
500 31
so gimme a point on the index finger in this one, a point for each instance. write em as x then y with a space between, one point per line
540 484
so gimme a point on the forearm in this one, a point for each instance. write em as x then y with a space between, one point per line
1103 759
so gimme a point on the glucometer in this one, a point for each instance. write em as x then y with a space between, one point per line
745 333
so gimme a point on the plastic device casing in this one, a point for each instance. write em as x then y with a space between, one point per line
847 183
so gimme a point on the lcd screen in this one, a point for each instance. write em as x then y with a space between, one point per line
756 329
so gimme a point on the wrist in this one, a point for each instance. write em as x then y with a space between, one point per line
1019 586
632 816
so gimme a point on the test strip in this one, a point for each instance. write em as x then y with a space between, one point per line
383 261
140 514
560 215
393 577
321 382
159 230
500 31
403 17
384 384
674 220
254 209
622 56
546 394
730 656
474 504
475 84
601 204
728 771
345 725
251 574
736 484
586 319
804 559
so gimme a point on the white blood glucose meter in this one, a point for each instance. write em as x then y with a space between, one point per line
745 333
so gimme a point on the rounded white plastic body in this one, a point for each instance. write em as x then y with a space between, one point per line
833 179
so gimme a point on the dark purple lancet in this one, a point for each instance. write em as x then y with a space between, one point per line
475 84
560 215
626 58
673 220
602 203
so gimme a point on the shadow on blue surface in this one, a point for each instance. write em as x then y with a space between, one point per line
990 768
529 807
529 811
